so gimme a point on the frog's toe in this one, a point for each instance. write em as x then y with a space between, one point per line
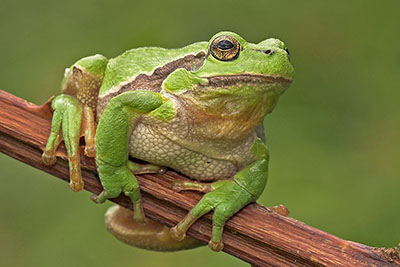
48 158
177 234
177 186
216 245
90 151
138 213
94 198
104 195
76 183
76 186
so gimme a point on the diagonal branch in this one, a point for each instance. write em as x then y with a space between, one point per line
256 234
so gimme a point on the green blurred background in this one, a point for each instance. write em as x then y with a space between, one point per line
333 137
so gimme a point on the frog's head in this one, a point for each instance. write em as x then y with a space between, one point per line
231 57
236 78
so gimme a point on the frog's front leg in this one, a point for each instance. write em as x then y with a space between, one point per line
112 138
226 197
73 114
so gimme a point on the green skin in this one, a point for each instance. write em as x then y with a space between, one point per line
198 116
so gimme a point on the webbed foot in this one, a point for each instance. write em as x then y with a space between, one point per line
120 179
116 180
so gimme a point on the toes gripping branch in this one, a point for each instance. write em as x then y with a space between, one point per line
73 114
66 125
225 197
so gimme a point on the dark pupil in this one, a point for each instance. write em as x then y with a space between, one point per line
224 45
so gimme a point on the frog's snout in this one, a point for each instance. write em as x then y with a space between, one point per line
270 52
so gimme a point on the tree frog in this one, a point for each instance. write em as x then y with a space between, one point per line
198 110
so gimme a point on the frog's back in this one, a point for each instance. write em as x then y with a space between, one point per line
146 60
146 68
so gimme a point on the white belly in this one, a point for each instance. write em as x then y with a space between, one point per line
149 145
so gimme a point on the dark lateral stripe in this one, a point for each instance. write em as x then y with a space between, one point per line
245 78
154 81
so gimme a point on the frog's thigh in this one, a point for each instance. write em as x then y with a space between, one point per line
152 235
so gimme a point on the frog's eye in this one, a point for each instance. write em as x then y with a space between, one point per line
225 48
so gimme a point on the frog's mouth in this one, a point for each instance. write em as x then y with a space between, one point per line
247 90
224 81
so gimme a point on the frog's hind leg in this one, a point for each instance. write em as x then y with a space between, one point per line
152 235
74 113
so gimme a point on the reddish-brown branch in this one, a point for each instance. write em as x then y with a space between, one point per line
255 234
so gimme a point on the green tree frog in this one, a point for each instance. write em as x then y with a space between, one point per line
198 110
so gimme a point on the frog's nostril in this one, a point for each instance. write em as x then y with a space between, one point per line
268 52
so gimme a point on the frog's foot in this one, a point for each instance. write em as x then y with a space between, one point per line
116 180
151 235
179 185
281 209
216 246
71 119
100 198
66 123
137 168
226 199
49 157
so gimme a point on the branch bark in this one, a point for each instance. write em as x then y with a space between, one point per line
256 234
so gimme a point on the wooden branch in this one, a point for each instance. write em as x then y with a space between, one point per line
256 234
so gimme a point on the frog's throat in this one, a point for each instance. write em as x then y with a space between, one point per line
237 94
232 106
